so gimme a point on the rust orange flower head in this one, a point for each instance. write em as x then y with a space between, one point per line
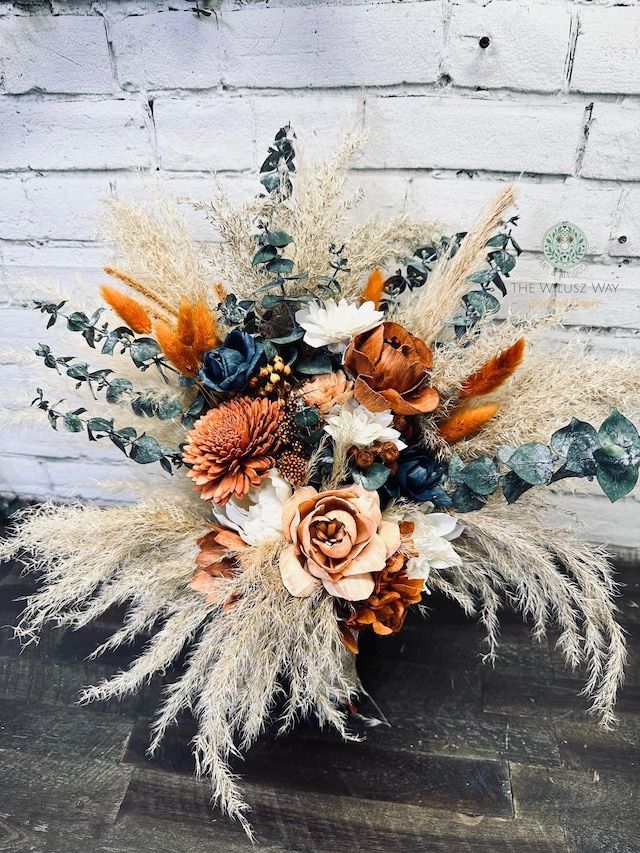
231 448
392 371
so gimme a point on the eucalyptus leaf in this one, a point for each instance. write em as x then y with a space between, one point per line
481 476
618 430
72 423
263 255
616 480
144 349
145 450
562 439
465 500
117 388
280 266
504 261
505 452
295 335
308 417
320 363
99 425
456 467
533 463
277 238
371 478
513 486
169 408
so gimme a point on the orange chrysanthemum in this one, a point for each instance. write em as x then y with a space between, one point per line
133 313
231 448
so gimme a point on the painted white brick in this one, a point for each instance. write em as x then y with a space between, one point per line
62 53
74 134
25 476
613 146
603 522
606 56
527 45
367 45
56 206
168 50
216 133
472 133
625 230
231 132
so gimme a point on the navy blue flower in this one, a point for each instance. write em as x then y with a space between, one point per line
419 478
229 366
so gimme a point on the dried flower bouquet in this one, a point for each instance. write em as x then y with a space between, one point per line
341 442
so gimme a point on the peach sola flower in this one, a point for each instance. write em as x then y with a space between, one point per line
338 539
232 447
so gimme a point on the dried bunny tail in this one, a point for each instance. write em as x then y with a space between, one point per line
448 283
550 576
156 249
459 358
551 387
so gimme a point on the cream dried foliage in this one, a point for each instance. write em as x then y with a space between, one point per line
153 246
90 559
553 578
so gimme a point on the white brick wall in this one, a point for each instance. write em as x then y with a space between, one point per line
111 97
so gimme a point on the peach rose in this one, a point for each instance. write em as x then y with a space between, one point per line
338 540
327 390
391 369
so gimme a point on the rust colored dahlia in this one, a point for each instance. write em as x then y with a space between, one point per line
231 448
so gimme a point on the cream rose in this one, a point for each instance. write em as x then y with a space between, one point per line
338 539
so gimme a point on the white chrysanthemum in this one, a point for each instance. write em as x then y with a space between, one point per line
353 423
431 538
333 324
257 518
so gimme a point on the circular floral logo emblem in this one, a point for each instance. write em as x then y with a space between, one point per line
564 245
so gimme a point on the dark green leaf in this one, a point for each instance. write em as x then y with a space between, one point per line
280 266
307 417
371 478
320 363
77 321
145 450
481 476
513 486
166 465
618 430
263 255
499 241
456 467
117 388
615 478
277 238
464 500
144 349
504 261
72 423
533 463
482 277
169 408
562 439
296 335
99 425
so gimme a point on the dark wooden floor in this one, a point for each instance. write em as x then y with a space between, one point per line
477 759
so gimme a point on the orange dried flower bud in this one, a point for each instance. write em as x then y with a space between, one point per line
128 309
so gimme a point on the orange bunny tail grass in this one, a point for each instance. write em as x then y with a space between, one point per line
220 291
140 288
462 423
195 334
374 288
496 371
128 309
178 353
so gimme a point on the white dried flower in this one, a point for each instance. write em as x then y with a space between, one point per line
333 324
431 537
353 424
258 517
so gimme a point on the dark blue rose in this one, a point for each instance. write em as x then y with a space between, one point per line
419 478
229 366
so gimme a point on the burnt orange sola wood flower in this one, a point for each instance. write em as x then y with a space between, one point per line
386 609
392 371
232 447
217 559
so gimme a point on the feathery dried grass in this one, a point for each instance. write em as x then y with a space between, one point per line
551 387
241 657
155 247
551 577
448 283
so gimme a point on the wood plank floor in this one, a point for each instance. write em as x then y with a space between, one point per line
477 759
